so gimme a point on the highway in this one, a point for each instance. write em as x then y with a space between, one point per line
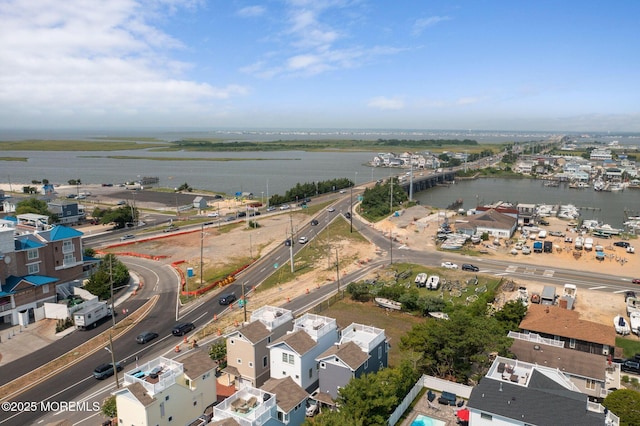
77 383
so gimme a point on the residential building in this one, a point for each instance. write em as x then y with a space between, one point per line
362 349
295 353
520 393
69 213
592 374
291 400
553 322
167 392
249 406
493 222
35 261
247 353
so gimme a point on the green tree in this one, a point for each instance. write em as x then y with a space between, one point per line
218 353
378 202
120 216
511 314
88 252
33 205
109 407
110 268
624 403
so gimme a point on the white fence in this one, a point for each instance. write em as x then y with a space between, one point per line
399 411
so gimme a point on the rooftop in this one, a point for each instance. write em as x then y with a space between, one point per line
365 336
155 375
315 326
249 406
271 316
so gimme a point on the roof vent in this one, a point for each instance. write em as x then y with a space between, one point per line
536 347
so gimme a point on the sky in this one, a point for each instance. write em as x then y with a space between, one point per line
304 64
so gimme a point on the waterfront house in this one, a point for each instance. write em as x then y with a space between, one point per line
295 353
588 372
291 400
247 353
553 322
514 392
494 222
69 213
361 350
164 391
249 406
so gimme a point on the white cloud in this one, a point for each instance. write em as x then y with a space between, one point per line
77 58
467 101
385 103
252 11
423 23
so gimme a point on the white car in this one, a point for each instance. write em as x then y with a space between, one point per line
342 191
303 240
449 265
285 207
331 210
212 214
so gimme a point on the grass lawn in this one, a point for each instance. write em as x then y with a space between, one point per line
631 347
395 324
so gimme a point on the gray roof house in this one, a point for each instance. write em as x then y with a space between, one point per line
519 393
362 349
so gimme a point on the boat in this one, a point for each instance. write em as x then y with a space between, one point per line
523 295
439 315
607 229
389 304
598 185
578 185
621 325
634 320
433 282
421 279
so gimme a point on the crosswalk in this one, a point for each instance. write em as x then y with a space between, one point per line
527 270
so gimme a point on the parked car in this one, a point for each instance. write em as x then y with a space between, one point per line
127 237
470 267
631 366
622 244
303 240
314 222
629 294
182 328
242 214
145 337
449 265
347 215
105 370
227 299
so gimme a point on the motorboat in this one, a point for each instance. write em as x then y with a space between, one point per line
634 320
421 279
439 315
389 304
433 282
598 185
621 325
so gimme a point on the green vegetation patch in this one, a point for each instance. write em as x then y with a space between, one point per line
630 347
75 145
23 159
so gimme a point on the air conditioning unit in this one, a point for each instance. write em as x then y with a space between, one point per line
605 351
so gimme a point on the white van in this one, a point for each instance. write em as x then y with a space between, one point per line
542 234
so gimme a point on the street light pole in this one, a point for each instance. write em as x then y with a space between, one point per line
337 270
201 254
113 360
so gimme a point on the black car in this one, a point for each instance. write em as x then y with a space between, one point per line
287 242
227 299
182 328
630 366
105 370
314 222
347 215
622 244
470 267
145 337
242 214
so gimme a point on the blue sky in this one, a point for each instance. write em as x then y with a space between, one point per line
441 64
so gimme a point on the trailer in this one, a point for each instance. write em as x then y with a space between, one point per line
537 247
548 296
89 316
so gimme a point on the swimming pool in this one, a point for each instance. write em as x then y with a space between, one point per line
427 421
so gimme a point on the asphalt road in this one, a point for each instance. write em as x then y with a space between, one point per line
77 381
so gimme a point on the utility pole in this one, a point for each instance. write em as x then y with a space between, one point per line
337 270
113 361
293 269
113 312
411 182
351 209
201 254
244 302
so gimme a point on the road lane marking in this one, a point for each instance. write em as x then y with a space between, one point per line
598 288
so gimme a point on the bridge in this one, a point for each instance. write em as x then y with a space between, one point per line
420 183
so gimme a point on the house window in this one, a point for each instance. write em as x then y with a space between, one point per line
231 341
572 343
323 365
366 364
591 384
166 398
250 365
265 362
379 352
67 246
486 416
45 288
32 269
69 259
239 361
269 339
287 358
311 373
32 254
